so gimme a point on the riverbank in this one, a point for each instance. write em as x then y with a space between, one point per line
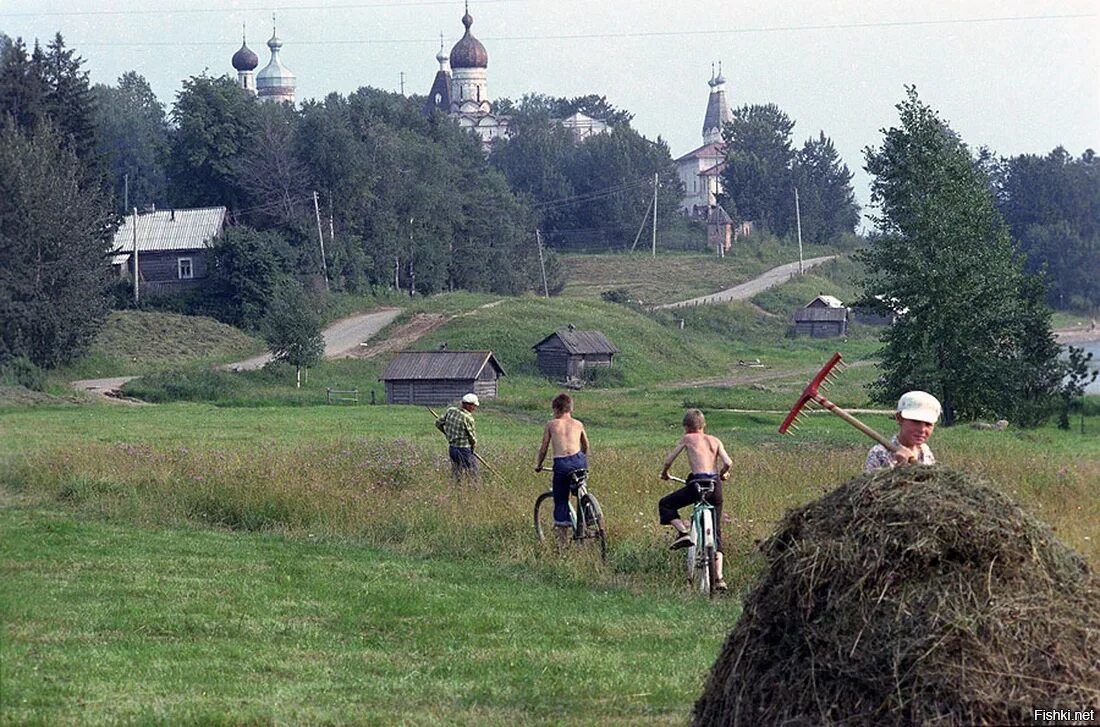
1078 334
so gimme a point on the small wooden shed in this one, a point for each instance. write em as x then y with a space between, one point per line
439 377
719 230
564 355
823 317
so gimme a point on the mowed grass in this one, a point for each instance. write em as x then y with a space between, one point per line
673 276
107 623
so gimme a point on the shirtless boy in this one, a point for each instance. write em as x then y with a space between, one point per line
569 442
704 452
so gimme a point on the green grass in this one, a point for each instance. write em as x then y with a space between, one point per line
673 276
136 342
108 623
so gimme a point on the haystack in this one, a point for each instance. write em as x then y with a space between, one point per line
910 596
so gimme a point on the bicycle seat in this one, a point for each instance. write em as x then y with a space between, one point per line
705 487
577 478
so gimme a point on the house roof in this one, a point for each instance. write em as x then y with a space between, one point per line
815 315
718 216
181 229
464 365
825 301
581 342
713 149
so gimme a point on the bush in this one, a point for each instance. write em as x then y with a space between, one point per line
21 371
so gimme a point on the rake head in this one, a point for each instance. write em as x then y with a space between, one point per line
812 393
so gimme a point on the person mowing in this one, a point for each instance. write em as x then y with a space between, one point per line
916 414
704 452
569 442
457 423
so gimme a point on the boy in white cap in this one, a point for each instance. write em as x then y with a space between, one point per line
916 414
458 424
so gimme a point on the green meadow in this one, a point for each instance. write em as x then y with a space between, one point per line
243 553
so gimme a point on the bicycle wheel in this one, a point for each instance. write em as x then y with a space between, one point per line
544 516
701 555
711 561
593 522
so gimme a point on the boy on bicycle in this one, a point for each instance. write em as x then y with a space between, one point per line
569 441
704 451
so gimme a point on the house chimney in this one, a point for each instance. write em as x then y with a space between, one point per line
173 215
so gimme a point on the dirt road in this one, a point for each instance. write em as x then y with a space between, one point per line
744 291
342 338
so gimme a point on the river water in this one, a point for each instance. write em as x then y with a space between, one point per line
1092 347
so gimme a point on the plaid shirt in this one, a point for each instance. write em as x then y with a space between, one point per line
459 427
880 456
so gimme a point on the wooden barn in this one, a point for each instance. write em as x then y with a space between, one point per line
440 377
823 317
564 355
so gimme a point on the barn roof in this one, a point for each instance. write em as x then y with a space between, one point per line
181 229
825 301
581 342
464 365
814 315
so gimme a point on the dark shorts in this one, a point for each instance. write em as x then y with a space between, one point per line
563 466
669 506
463 461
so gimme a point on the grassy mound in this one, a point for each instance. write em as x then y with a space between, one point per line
910 596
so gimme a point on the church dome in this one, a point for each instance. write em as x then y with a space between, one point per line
245 59
468 51
275 77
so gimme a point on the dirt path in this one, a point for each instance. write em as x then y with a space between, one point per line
744 291
342 338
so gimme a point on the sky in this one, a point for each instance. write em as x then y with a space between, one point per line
1017 76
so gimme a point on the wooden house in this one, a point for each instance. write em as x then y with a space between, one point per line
171 247
719 230
823 317
440 377
564 355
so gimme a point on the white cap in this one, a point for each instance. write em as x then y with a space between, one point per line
919 406
471 399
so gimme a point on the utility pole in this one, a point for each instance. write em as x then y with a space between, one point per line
798 220
545 287
321 239
655 215
402 83
135 256
126 191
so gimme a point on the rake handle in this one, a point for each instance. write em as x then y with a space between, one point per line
855 423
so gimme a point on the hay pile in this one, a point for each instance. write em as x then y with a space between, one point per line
910 596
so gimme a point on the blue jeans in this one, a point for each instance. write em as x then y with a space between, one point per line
562 467
463 462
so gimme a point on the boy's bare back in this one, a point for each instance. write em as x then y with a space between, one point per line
704 451
566 435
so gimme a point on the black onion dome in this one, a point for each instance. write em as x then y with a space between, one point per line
468 51
245 59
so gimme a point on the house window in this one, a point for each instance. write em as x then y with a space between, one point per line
186 272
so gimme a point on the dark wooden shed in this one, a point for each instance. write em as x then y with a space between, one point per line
440 377
564 355
823 317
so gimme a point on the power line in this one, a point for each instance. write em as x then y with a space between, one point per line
559 37
257 9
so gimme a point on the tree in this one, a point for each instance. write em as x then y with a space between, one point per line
248 267
972 327
22 87
1052 206
133 139
292 329
757 175
215 122
70 104
826 198
55 235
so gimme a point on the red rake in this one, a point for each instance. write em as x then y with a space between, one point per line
812 395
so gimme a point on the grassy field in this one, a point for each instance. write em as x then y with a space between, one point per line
245 554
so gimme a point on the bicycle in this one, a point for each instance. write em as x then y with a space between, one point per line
587 516
702 560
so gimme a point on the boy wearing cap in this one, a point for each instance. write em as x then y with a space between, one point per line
457 423
916 414
566 436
